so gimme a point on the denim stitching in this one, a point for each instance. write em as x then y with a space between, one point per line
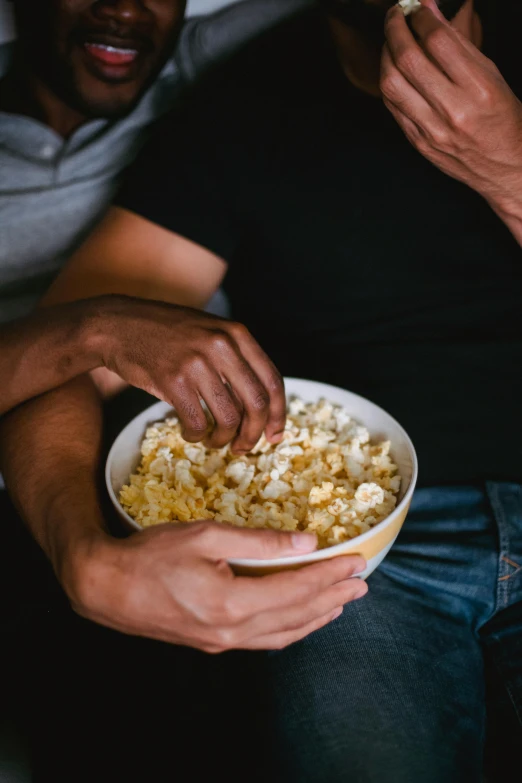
503 584
514 573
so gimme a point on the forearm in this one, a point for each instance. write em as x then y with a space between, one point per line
47 349
49 455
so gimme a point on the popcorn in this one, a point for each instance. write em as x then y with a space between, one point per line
369 495
325 477
409 6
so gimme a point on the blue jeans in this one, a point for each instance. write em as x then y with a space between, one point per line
393 691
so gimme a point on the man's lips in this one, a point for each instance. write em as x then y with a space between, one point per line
111 55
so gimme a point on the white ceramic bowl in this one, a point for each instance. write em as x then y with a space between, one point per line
374 545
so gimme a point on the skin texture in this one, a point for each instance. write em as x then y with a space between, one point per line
55 80
178 354
455 108
57 493
172 584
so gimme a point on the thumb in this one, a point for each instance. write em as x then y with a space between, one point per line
223 541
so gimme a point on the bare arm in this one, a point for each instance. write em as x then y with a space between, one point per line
456 108
45 350
168 583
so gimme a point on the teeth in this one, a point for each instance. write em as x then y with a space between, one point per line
113 49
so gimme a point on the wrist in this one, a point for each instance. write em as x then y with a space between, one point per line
99 333
78 563
72 541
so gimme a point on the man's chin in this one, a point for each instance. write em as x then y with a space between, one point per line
104 101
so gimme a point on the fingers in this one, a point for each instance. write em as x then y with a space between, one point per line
184 398
223 542
411 61
270 379
452 51
397 90
222 405
293 618
291 588
255 403
278 641
241 387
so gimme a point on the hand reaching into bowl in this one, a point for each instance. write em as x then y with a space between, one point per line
178 354
172 583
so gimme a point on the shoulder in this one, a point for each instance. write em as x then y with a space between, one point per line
268 69
206 40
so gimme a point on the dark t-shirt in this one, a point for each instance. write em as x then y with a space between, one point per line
352 259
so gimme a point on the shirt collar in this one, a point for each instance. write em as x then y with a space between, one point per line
33 139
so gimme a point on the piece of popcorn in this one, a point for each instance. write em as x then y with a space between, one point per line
395 484
322 494
319 520
275 490
213 465
195 452
321 438
369 495
409 6
237 469
182 473
296 406
324 412
337 507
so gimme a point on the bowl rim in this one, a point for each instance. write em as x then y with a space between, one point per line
316 555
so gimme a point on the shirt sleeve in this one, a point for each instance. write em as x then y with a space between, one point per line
212 38
185 178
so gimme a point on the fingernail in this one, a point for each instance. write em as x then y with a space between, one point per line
360 593
304 542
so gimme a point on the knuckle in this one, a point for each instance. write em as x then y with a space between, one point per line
407 60
239 330
437 39
485 96
275 383
232 610
261 401
226 638
231 419
459 119
194 365
390 86
440 138
194 434
220 341
193 417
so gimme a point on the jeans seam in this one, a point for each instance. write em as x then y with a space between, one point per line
503 570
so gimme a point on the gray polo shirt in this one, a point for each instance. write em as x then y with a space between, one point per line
54 191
